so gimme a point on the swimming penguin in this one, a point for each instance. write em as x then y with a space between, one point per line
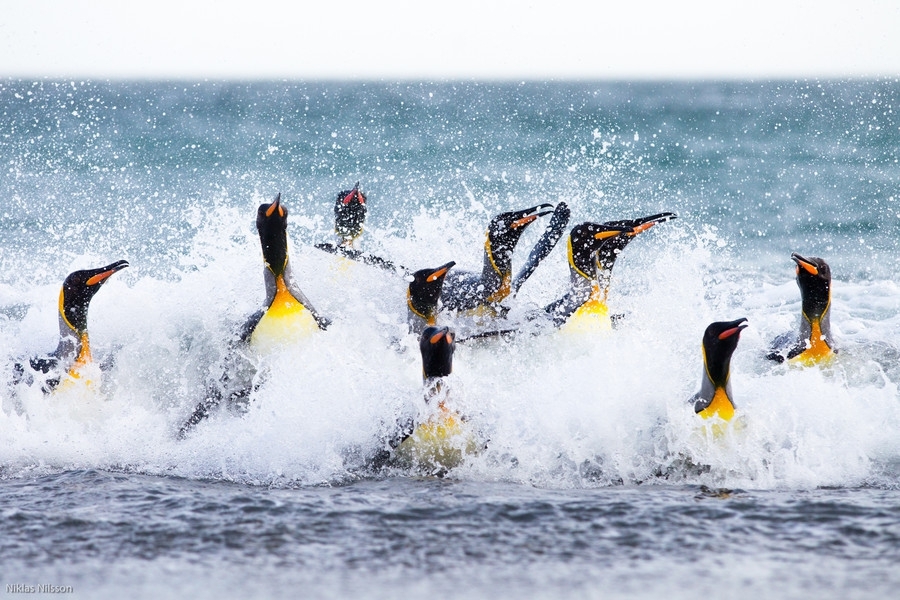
441 440
288 316
466 291
719 342
349 215
67 363
586 298
592 252
813 344
423 296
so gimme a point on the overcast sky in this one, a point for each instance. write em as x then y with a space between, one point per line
390 39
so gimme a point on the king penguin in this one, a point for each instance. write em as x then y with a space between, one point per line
350 211
813 344
483 292
288 314
423 296
592 252
442 439
288 317
67 364
719 342
586 298
349 216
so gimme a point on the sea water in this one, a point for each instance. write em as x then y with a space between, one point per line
597 479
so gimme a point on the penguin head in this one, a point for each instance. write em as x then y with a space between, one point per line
425 290
437 345
504 232
77 291
585 240
719 342
271 223
814 279
349 214
610 248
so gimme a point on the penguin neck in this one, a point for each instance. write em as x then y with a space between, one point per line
278 293
496 276
715 399
816 332
73 347
435 391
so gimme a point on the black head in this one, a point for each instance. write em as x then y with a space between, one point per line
437 345
350 213
77 291
425 290
610 249
584 241
719 342
505 230
271 223
814 279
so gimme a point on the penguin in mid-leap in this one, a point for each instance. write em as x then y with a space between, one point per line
442 439
719 342
814 343
66 364
423 296
288 317
466 291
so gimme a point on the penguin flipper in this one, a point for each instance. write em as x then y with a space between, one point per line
250 325
785 347
545 244
384 455
363 257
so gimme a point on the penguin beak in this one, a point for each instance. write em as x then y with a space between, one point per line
805 264
522 222
437 337
276 205
440 272
602 235
733 331
107 272
642 228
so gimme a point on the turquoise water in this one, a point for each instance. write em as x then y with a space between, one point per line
568 498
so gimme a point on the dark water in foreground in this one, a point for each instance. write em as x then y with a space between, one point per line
104 533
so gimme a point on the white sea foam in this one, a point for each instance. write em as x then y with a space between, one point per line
556 410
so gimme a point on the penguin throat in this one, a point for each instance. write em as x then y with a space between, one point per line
84 352
720 406
505 289
285 320
427 314
505 267
818 348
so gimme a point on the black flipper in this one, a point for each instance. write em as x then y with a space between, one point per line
363 257
551 236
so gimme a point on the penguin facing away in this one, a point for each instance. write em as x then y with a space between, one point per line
813 344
